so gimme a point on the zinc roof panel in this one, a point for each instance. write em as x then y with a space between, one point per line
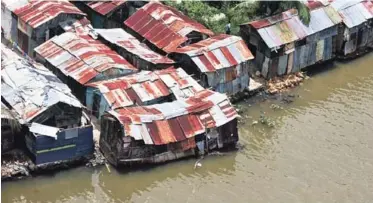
228 55
142 93
91 53
267 38
105 7
36 13
136 131
168 21
30 88
220 56
165 131
145 135
200 65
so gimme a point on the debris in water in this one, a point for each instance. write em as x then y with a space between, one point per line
280 84
198 164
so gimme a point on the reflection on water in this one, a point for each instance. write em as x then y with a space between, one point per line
319 150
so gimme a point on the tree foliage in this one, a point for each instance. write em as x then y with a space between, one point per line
216 14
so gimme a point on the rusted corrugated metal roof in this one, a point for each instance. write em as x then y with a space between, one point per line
82 57
30 88
221 51
126 41
354 12
36 13
146 86
287 27
176 121
164 26
105 7
79 26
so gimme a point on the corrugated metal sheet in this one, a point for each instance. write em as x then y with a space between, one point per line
30 88
218 52
36 13
82 57
13 5
80 27
287 27
163 26
176 121
105 7
354 12
146 86
126 41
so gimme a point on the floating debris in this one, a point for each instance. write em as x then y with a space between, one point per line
280 84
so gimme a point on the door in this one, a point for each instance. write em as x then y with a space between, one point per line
96 105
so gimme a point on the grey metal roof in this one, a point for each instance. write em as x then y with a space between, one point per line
30 88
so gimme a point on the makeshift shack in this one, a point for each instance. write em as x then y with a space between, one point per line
137 53
282 44
164 28
108 14
58 129
81 59
357 17
220 62
169 131
143 88
29 23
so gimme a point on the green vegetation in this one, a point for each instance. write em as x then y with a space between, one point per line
216 14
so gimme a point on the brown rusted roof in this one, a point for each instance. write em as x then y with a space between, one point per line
35 13
176 121
82 57
164 26
105 7
217 52
146 86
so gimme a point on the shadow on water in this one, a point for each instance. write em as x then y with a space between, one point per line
321 68
98 184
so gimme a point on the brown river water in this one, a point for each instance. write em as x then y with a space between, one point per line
319 150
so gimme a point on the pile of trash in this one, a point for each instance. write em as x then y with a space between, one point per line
14 169
280 84
98 157
15 164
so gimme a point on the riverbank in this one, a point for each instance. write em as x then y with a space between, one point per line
318 150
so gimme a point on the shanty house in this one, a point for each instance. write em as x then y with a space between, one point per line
81 59
221 62
135 52
164 28
283 44
143 88
58 129
29 23
108 14
357 17
169 131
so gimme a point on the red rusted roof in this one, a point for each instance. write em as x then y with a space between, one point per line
105 7
146 86
176 121
221 51
314 4
273 19
38 12
83 58
126 41
164 26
